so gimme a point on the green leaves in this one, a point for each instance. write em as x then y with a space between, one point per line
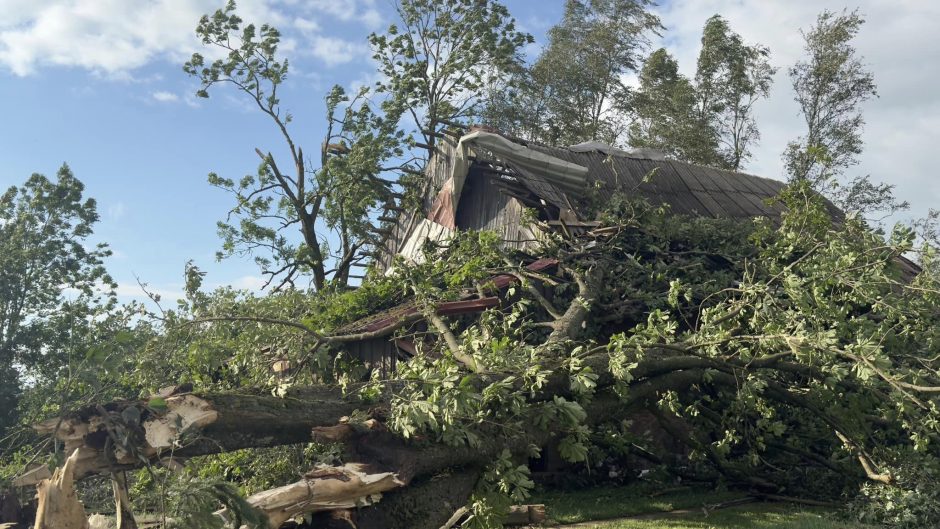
730 79
297 221
575 90
431 66
830 85
53 283
157 403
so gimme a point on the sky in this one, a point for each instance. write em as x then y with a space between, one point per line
98 84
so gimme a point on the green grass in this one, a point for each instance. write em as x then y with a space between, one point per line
652 508
603 503
756 516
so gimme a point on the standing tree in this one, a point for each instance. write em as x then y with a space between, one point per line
442 54
49 274
336 199
664 113
582 69
710 121
731 77
576 90
830 85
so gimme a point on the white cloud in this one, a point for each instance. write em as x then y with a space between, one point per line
362 11
253 283
900 45
334 51
109 36
165 97
127 291
114 38
306 24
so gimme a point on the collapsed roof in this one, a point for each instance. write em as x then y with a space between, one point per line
557 181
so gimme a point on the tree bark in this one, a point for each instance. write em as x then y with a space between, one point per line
123 435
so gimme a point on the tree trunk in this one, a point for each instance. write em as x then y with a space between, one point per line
223 422
325 489
59 507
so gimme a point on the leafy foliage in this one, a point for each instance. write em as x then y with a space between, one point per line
51 278
664 112
440 55
709 121
913 504
284 217
575 91
830 85
730 79
793 355
197 501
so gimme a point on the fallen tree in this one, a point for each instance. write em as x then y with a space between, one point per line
790 359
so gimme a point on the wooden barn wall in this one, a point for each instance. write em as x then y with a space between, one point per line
437 172
484 206
377 354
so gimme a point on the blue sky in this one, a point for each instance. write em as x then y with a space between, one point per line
98 84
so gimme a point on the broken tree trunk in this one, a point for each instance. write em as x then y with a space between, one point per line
122 502
59 507
325 488
125 434
438 478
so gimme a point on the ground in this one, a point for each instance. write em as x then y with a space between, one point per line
643 507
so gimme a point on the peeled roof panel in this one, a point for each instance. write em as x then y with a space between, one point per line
541 186
688 188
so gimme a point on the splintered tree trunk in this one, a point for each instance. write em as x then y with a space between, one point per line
59 507
190 425
193 424
122 502
422 483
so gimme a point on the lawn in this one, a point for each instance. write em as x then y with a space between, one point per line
753 516
681 508
603 503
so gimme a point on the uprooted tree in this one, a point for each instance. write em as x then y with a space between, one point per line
790 359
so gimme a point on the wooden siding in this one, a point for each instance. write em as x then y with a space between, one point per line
438 170
379 354
484 206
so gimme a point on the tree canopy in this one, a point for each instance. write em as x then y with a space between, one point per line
51 277
831 83
330 207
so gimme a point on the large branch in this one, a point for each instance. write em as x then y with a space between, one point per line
325 489
109 438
